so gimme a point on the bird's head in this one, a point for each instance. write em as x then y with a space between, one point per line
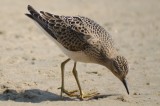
119 67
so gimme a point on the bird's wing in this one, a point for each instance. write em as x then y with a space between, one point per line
91 32
59 29
72 32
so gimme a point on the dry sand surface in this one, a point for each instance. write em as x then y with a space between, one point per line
30 61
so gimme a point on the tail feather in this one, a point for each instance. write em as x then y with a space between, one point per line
32 10
39 19
30 16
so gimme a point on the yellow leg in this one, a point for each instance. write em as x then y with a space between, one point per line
77 80
71 93
82 96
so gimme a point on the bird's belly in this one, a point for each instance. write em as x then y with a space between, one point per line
75 55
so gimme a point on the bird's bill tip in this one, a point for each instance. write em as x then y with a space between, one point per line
125 84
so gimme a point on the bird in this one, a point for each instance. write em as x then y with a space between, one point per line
82 40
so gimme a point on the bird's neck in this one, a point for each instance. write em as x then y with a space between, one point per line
108 58
107 62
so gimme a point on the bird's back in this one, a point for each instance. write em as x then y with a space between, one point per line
75 33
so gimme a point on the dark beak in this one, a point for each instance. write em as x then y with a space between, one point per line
125 84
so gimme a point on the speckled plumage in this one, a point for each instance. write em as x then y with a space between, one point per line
82 39
77 33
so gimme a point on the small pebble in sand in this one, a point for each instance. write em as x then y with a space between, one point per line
121 98
10 91
135 93
4 87
1 32
147 83
94 72
33 58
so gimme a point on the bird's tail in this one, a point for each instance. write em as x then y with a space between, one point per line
39 19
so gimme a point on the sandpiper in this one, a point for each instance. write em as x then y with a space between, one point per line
82 40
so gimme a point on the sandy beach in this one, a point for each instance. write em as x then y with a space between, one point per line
30 72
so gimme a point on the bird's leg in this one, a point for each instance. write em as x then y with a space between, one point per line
82 96
71 93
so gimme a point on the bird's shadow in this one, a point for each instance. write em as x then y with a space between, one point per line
37 96
32 95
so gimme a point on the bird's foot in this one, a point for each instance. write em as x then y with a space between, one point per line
87 96
69 93
83 96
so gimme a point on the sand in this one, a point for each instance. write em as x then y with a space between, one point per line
30 61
